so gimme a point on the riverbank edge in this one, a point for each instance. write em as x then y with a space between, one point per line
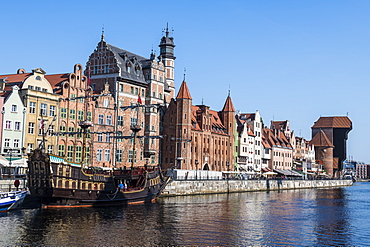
202 187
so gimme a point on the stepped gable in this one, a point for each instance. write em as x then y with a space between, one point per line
228 107
184 92
217 125
321 140
333 122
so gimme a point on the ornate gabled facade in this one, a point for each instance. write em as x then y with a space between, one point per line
281 149
132 77
40 102
329 135
197 137
74 107
13 123
245 146
255 122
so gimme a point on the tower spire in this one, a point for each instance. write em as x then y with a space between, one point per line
102 33
167 32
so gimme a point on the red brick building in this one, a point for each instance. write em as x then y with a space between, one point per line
130 77
197 137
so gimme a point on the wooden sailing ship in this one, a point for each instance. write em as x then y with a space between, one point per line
56 182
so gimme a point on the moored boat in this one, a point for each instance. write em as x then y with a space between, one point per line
11 200
58 183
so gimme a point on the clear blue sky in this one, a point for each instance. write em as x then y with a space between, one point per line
291 60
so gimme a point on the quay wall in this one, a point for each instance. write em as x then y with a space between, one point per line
198 187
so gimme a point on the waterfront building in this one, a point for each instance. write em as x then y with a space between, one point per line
362 170
254 120
245 146
197 137
40 101
13 122
329 136
74 107
103 130
281 149
133 80
304 156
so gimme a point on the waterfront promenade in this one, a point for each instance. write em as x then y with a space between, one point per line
198 187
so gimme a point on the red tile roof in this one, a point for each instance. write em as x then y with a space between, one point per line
333 122
321 140
183 91
228 107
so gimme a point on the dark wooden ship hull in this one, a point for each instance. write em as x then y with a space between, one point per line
57 183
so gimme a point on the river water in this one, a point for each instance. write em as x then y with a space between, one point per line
306 217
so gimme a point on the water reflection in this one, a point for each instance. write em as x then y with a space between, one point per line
297 217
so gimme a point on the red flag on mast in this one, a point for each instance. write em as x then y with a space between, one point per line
139 99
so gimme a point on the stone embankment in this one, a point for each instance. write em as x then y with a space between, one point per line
198 187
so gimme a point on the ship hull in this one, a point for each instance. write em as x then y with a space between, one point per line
56 183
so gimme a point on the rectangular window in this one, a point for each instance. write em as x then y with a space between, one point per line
14 108
63 113
32 107
99 155
133 121
31 128
61 149
81 99
8 124
80 115
6 142
121 87
119 155
71 129
29 147
107 155
109 120
30 87
130 156
101 119
70 150
106 69
38 88
120 121
73 96
100 137
16 143
107 137
132 90
43 109
17 125
62 129
52 111
50 149
51 130
78 154
106 103
89 116
72 114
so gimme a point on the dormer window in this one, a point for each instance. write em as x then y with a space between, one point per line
128 69
137 72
